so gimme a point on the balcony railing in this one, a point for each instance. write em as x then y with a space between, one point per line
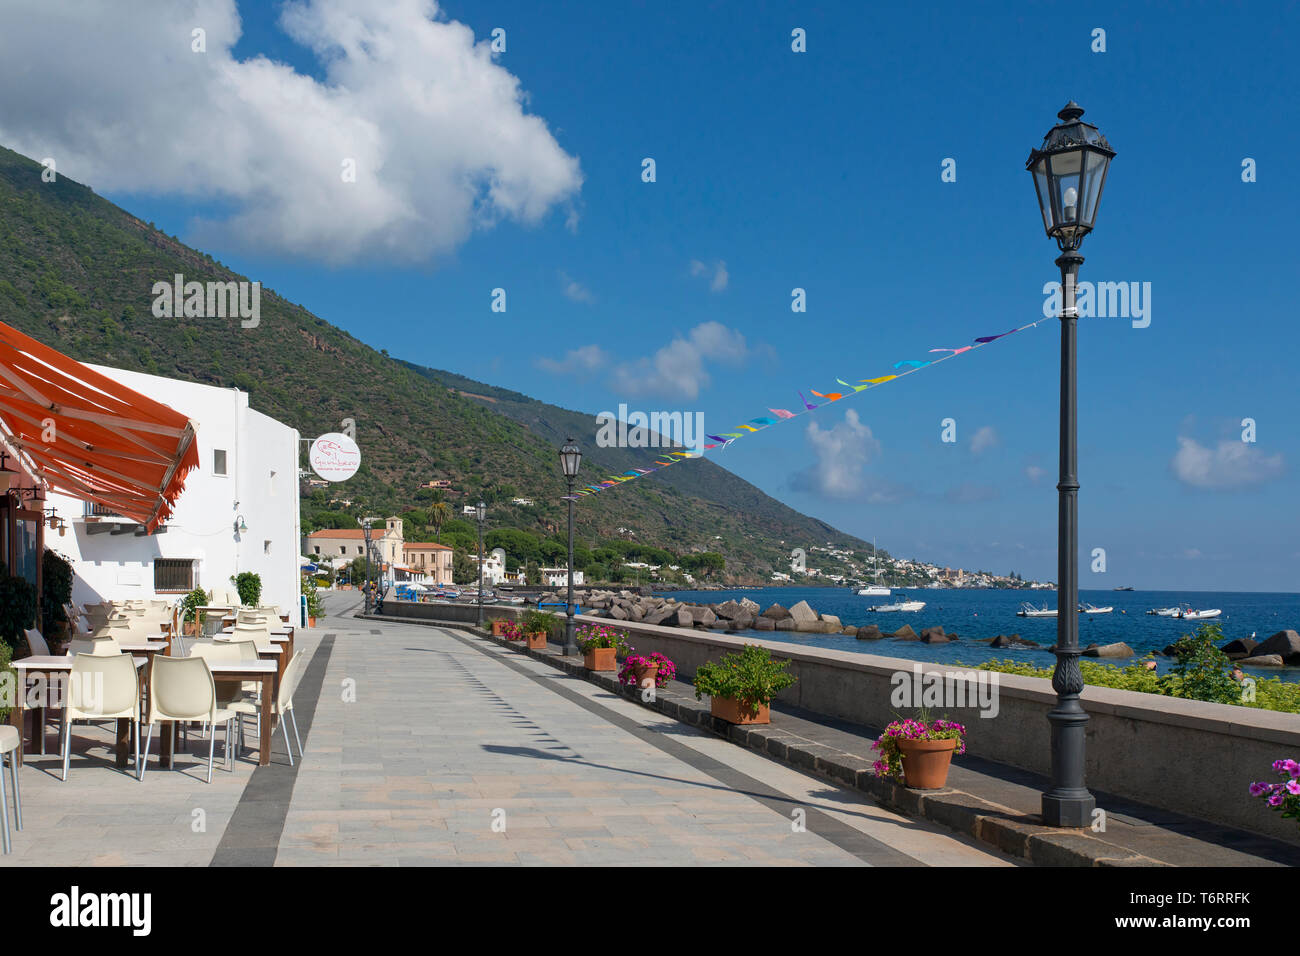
95 510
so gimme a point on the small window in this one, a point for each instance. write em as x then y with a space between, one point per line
173 574
266 547
318 549
218 461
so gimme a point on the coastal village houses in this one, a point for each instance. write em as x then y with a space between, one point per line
424 562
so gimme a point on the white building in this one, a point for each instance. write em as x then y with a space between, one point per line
559 577
238 511
494 568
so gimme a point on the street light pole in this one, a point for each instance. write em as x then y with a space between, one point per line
365 587
1069 172
481 510
570 462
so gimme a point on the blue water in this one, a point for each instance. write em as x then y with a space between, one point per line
980 614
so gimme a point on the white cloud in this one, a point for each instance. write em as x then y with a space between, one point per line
441 141
1230 464
1035 473
576 290
679 369
717 273
984 439
842 452
585 359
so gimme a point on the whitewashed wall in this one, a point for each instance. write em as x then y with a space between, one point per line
261 485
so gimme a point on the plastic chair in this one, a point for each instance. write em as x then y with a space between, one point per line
283 705
182 689
36 643
101 688
10 741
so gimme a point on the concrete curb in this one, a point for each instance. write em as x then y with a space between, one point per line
1010 831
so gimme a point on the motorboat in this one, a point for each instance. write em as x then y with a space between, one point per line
1028 610
1188 614
1166 611
1093 609
903 604
874 590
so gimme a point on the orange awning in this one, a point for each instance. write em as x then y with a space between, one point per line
106 443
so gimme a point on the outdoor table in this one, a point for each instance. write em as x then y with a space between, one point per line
265 671
273 653
51 667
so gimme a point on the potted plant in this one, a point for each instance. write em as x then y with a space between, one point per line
511 630
537 629
498 626
191 616
314 608
919 751
600 645
1284 797
654 670
249 587
741 685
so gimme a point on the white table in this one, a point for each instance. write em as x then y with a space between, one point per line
265 671
49 667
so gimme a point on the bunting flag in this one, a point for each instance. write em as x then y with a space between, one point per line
723 439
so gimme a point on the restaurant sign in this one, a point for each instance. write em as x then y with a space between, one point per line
335 457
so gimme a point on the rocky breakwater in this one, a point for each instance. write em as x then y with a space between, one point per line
742 615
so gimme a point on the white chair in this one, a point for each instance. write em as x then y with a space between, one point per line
100 646
283 705
101 688
182 689
36 643
10 741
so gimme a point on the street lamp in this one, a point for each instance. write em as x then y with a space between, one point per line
1069 171
570 462
365 586
481 512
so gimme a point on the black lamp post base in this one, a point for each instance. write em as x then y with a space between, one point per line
1069 808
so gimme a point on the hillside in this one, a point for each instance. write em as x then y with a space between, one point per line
77 273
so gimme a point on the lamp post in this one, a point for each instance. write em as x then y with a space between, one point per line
1069 172
570 462
481 512
365 586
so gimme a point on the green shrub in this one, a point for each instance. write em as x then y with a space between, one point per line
56 591
542 622
17 606
314 607
749 677
249 586
191 603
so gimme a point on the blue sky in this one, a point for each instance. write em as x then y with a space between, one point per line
821 170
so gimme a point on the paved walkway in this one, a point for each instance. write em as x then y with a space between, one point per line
426 746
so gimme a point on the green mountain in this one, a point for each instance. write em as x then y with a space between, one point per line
77 272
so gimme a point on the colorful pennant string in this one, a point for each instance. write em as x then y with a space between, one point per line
723 439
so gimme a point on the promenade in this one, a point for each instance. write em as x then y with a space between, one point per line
426 746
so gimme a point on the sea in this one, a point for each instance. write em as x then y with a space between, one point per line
977 614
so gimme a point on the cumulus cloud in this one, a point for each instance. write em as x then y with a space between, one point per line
588 358
715 273
576 290
680 368
1034 473
435 129
984 439
842 452
1230 464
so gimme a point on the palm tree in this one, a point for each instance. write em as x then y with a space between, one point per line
438 515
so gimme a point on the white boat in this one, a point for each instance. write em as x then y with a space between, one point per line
1093 609
1191 615
874 590
903 604
1028 610
1166 611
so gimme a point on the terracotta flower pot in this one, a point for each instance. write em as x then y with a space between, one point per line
601 659
646 675
730 710
536 642
497 625
311 621
925 762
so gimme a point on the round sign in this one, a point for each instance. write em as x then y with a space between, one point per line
335 457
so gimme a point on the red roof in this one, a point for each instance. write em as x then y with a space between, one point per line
341 533
424 546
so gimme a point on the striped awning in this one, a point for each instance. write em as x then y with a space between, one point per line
90 436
